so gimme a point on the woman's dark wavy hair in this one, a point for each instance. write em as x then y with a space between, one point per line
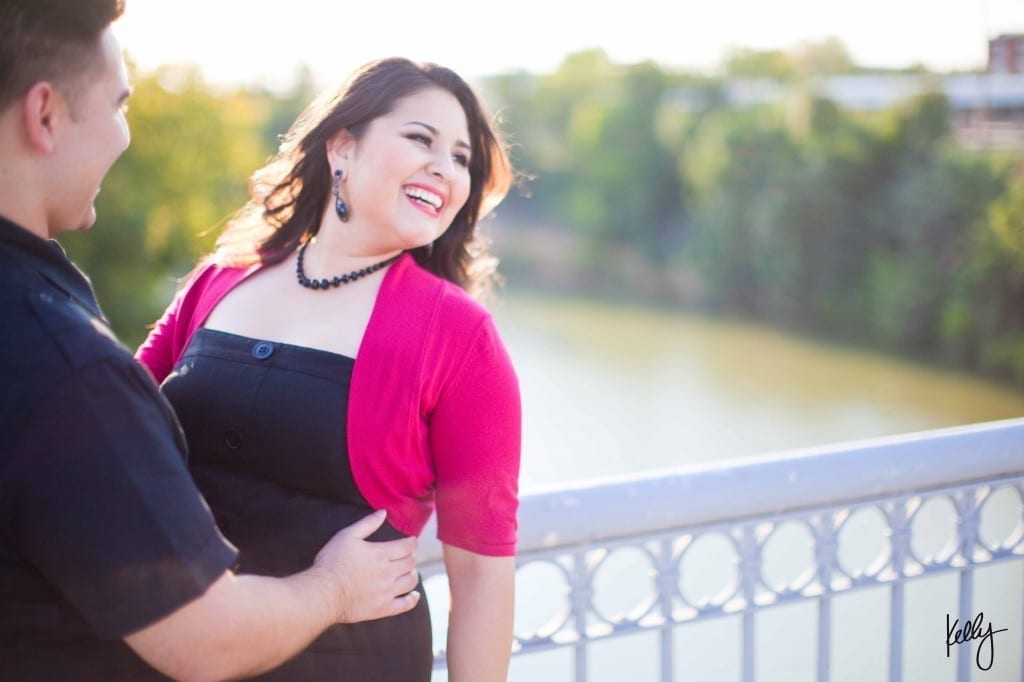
289 194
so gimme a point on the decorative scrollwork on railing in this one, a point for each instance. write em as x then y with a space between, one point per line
655 580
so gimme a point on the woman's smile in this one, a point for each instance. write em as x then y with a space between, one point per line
425 199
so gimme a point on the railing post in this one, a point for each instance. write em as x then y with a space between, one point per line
899 546
750 570
967 536
668 581
582 593
827 546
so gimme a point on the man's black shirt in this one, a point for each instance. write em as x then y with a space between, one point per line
102 530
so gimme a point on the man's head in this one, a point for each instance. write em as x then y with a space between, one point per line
62 89
51 40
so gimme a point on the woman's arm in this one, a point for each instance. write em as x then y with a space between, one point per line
159 351
475 442
480 621
193 302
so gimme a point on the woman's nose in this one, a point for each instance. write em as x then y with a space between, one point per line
442 167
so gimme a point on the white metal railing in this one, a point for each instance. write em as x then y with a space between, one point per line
877 493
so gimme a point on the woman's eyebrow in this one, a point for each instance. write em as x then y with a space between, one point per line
435 131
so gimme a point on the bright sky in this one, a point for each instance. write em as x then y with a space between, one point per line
249 41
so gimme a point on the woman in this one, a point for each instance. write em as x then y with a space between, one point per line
326 360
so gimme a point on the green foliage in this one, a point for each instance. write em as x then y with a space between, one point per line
589 132
872 232
747 63
984 326
871 229
823 58
183 175
827 57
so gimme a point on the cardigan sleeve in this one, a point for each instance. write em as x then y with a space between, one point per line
475 434
157 353
189 308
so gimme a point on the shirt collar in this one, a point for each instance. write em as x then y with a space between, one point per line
48 258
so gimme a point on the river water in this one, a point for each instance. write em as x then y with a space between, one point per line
610 389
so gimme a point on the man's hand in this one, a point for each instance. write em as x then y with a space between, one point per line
372 579
244 625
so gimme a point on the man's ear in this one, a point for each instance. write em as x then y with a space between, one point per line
340 145
42 109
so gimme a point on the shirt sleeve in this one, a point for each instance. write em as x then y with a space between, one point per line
475 434
103 505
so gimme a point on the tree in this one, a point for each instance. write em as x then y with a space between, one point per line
183 175
747 63
828 57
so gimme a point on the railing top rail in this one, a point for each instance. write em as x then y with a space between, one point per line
763 485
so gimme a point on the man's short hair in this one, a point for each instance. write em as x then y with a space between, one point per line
50 40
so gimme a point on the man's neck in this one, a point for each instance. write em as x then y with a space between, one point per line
22 197
18 206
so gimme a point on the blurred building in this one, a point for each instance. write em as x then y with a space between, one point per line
1006 53
987 108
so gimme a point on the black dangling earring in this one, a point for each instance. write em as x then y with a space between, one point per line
340 207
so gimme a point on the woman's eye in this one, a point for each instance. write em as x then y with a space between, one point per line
462 160
419 137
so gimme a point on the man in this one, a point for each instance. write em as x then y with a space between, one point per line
109 559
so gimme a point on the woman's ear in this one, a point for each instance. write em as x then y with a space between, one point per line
340 145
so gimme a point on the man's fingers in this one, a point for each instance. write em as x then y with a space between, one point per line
364 527
405 603
398 550
407 581
403 565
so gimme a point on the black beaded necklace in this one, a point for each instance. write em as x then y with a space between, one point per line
325 283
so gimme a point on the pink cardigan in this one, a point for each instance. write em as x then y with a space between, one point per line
434 412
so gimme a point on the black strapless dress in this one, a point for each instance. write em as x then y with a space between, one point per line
266 430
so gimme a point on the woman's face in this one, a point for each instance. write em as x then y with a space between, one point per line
407 177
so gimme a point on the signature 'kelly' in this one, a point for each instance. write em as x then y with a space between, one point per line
972 629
